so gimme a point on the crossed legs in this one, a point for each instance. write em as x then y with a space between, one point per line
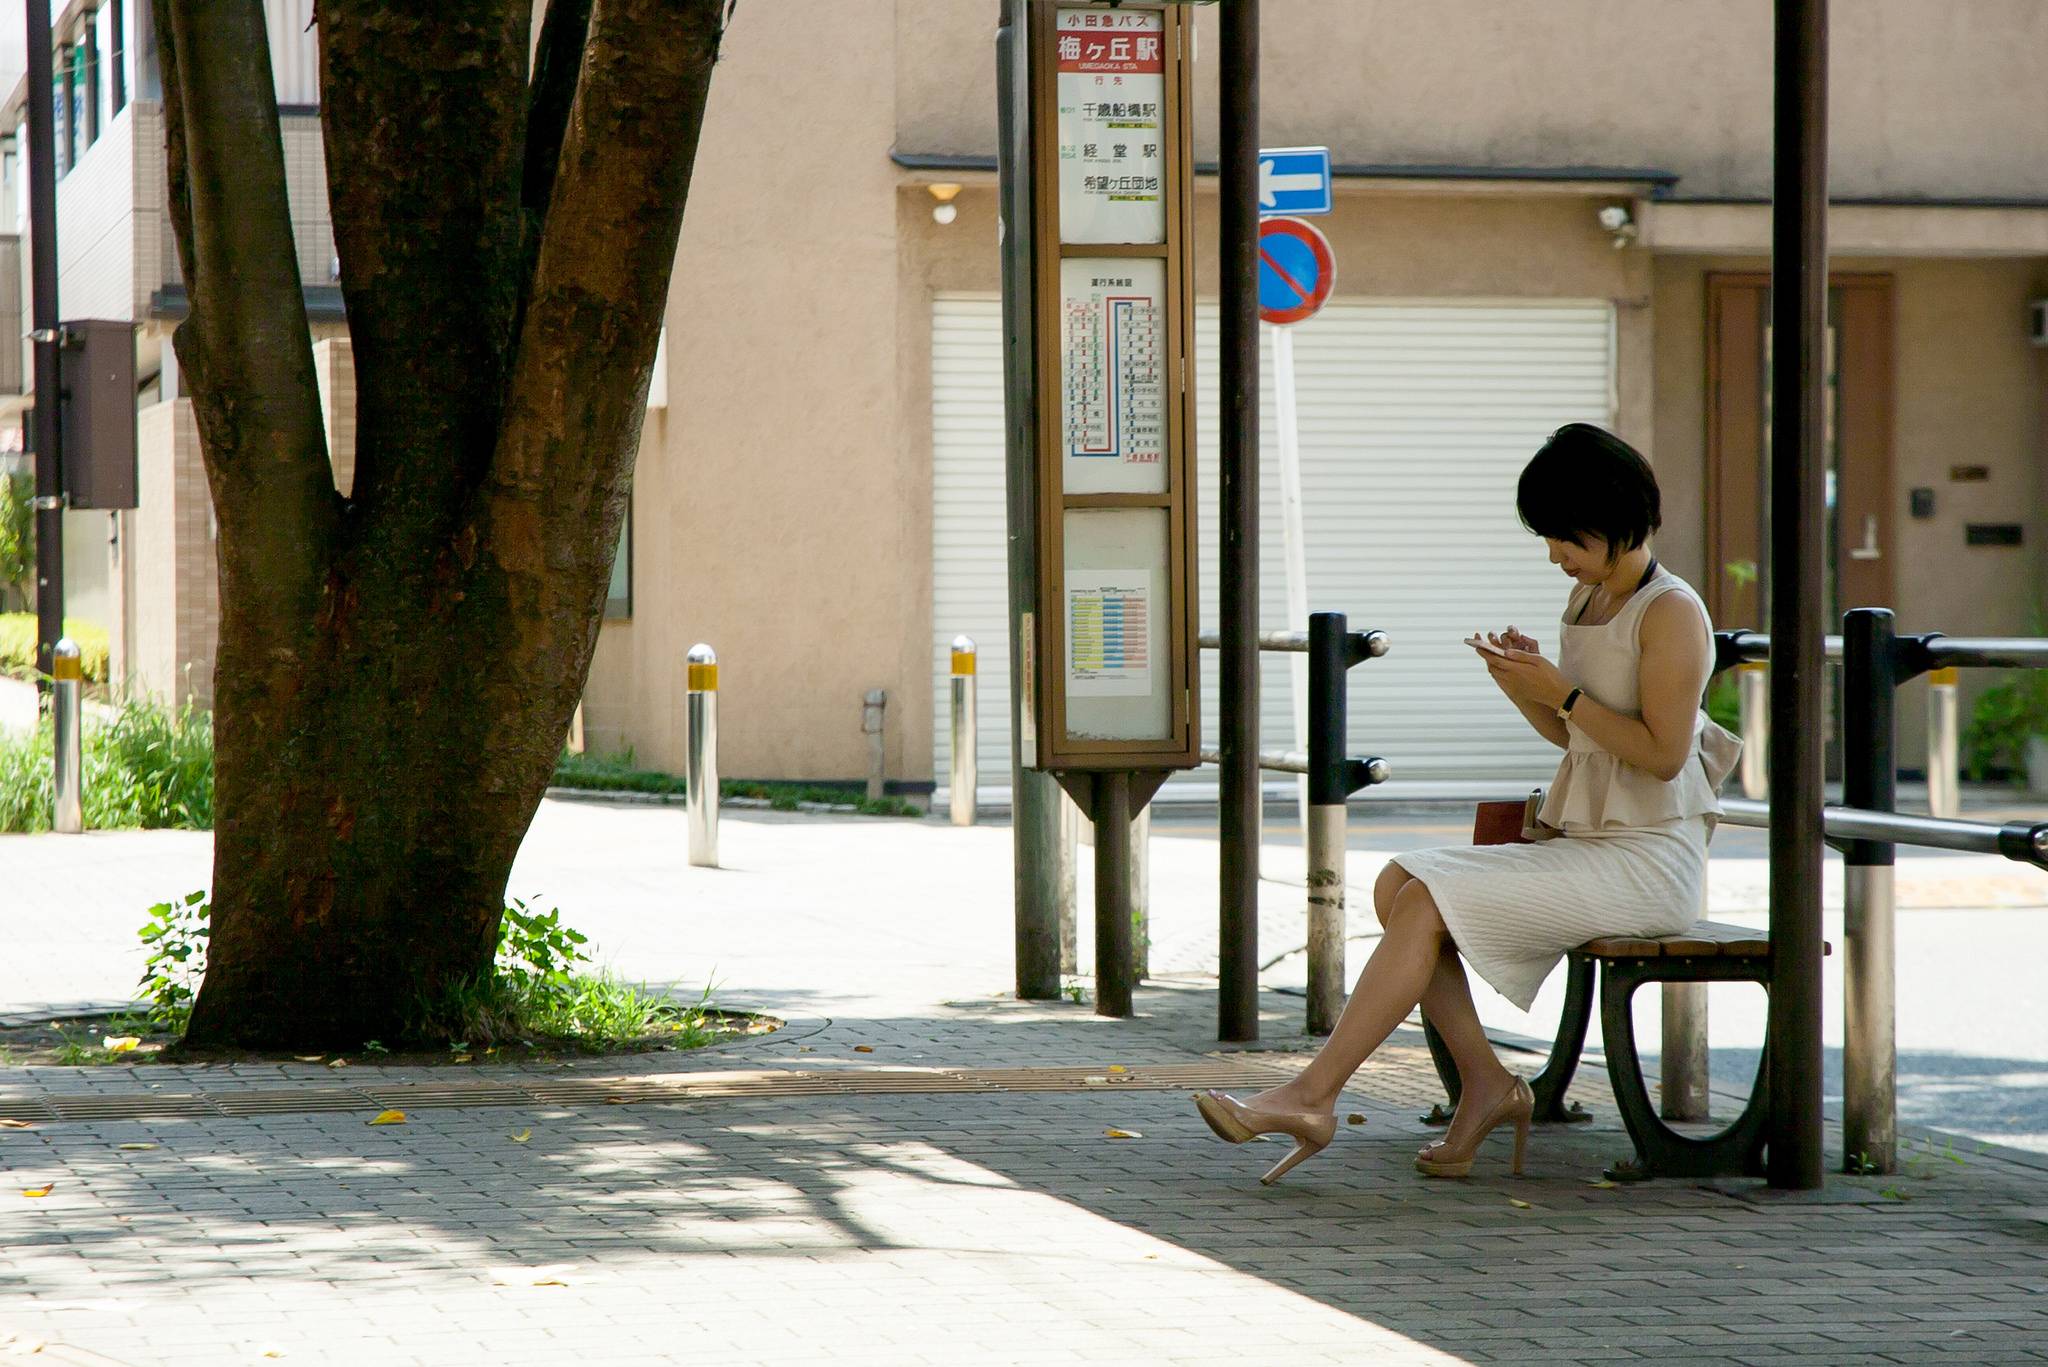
1414 962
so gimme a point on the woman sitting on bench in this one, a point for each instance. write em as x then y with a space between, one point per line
1618 846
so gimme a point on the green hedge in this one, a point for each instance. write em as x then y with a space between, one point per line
18 645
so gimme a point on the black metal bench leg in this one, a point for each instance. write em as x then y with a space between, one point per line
1548 1085
1551 1084
1660 1150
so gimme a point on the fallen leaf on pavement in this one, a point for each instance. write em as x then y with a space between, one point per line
1604 1184
550 1275
1118 1068
462 1058
271 1353
37 1193
1520 1205
136 1148
1355 1118
1121 1134
337 1063
310 1058
120 1044
389 1118
522 1136
15 1125
863 1048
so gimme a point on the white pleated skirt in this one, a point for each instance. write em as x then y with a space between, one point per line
1514 910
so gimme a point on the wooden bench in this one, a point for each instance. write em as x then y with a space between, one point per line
1710 951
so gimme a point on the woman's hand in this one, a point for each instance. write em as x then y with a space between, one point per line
1527 677
1514 639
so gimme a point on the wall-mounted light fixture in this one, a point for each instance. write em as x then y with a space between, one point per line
944 211
1616 219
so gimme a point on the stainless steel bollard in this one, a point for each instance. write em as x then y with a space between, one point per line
1870 1054
1327 822
966 732
873 709
68 677
1944 746
701 741
1754 681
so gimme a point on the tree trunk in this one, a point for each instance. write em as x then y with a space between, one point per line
396 671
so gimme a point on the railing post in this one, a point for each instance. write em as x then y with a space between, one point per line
965 776
700 740
67 677
1327 818
1944 745
1753 682
1870 782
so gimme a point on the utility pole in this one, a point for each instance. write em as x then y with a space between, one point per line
42 218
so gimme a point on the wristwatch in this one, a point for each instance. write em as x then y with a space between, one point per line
1564 709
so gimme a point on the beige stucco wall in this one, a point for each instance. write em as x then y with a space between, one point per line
1968 390
1928 98
176 593
775 514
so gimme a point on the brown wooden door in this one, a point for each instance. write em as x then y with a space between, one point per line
1859 445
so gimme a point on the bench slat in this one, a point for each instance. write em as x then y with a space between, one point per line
1704 939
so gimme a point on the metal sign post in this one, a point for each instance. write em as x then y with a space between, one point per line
1297 271
1112 632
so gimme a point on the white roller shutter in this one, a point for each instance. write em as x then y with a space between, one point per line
1416 419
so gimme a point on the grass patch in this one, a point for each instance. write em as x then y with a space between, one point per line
613 774
539 995
18 645
147 766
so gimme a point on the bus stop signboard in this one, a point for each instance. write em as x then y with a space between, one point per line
1113 648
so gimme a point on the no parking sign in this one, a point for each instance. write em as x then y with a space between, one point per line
1296 270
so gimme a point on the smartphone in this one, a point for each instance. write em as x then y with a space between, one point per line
1478 642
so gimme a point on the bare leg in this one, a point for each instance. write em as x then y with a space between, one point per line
1448 1001
1389 987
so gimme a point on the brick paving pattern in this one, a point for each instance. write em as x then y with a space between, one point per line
963 1226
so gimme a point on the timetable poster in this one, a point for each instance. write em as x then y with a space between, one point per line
1112 380
1111 91
1109 645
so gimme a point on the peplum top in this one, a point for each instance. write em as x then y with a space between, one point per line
1595 791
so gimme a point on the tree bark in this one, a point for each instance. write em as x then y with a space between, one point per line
396 671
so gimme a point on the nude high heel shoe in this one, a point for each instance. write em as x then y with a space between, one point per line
1518 1106
1236 1122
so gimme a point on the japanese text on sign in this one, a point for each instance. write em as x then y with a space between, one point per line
1111 95
1109 648
1112 382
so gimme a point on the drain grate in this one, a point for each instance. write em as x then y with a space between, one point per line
49 1108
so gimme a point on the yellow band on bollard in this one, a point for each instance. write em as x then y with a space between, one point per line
67 668
703 678
963 662
1945 678
1754 666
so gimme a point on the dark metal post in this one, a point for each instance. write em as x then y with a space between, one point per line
42 227
1113 893
1799 279
1237 1005
1034 796
1870 679
1328 792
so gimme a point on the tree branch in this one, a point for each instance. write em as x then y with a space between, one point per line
576 398
557 64
245 344
423 115
177 186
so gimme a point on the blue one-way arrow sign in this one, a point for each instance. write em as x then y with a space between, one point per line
1294 180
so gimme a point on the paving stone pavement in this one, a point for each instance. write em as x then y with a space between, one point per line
966 1227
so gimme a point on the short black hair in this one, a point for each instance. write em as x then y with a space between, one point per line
1587 481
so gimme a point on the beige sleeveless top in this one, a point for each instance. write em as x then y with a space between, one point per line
1596 791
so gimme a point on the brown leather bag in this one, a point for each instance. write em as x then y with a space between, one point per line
1501 823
